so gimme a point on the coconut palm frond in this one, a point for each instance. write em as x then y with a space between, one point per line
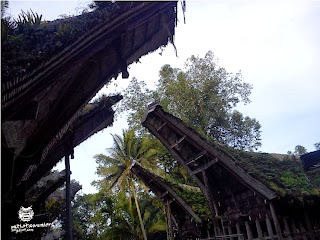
119 159
160 225
112 182
110 171
116 168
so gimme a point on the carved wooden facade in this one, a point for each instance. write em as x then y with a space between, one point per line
241 205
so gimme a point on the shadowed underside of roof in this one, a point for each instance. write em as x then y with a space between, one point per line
45 112
40 108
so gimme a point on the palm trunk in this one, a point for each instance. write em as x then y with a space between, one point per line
138 210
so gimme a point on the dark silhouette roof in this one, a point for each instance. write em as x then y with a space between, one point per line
311 160
44 106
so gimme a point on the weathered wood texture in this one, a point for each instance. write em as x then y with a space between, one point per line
245 207
220 179
59 89
40 109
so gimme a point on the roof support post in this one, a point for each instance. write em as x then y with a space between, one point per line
294 228
276 222
249 233
170 235
212 204
309 226
238 231
302 230
258 226
269 227
68 199
286 227
230 232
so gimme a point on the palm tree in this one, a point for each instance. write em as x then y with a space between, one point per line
125 224
116 169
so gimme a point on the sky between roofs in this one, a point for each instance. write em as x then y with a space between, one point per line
275 44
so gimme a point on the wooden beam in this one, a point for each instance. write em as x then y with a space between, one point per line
269 227
179 141
248 229
258 226
68 200
238 231
159 128
275 221
310 229
196 157
204 167
146 123
212 204
164 194
294 228
287 229
194 139
159 187
302 231
169 217
230 233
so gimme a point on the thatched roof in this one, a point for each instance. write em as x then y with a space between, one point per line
282 173
44 187
93 118
268 174
49 79
40 106
311 160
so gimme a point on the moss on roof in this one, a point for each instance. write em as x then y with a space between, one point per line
282 173
26 46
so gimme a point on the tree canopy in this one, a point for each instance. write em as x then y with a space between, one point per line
204 95
116 169
299 150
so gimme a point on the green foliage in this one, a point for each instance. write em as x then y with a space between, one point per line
276 188
297 182
64 30
101 216
90 214
196 200
283 174
42 40
299 150
204 96
28 20
126 150
126 225
7 27
317 146
116 169
51 204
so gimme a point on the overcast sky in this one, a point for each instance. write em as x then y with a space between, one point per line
275 44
